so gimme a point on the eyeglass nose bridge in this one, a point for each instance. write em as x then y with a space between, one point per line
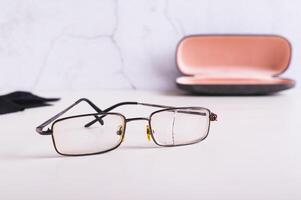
136 119
148 130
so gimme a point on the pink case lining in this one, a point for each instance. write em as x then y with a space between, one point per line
233 59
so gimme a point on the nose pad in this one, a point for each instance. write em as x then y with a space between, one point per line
120 131
148 133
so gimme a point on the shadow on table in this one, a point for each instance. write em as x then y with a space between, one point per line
54 155
139 147
9 157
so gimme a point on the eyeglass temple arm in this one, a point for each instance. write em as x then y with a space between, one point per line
40 128
109 109
155 105
125 103
212 115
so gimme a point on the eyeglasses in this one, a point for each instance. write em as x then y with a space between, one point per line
103 131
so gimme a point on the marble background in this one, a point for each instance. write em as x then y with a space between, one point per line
88 44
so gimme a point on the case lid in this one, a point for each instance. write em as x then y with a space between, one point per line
233 55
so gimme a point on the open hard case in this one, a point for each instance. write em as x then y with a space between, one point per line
233 64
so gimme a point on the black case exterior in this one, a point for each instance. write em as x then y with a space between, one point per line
224 90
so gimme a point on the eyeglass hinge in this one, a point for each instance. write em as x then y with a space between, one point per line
47 132
213 117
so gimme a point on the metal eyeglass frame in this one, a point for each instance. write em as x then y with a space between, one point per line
54 119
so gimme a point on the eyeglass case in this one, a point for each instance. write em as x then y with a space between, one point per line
233 64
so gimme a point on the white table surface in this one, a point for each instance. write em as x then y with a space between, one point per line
252 152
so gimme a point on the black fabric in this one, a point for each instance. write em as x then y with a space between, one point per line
18 101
